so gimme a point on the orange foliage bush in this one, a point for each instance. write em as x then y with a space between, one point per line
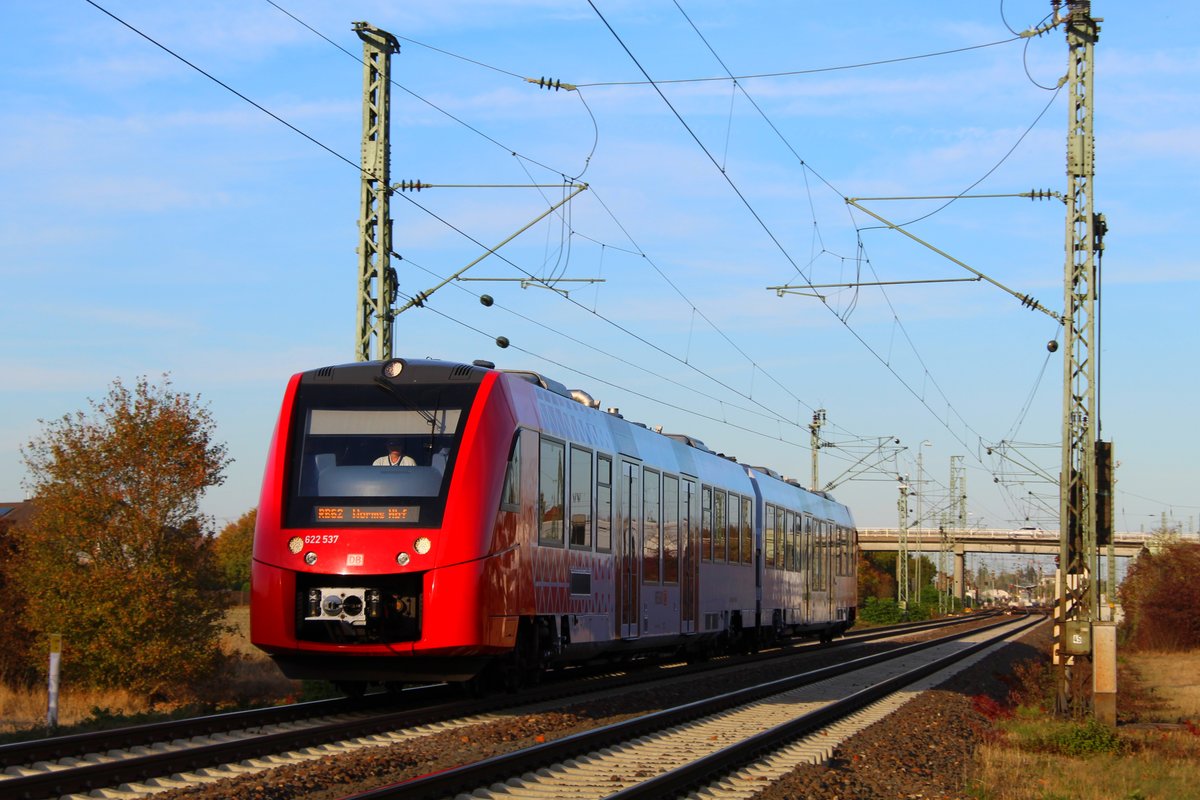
1160 595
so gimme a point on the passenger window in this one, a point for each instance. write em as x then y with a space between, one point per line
735 508
747 532
706 504
670 529
550 494
769 537
581 498
603 504
651 530
510 495
789 549
719 526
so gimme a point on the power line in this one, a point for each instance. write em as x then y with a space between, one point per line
790 73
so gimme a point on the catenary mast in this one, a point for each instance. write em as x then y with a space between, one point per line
1078 552
376 277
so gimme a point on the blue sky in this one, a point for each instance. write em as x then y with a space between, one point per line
153 222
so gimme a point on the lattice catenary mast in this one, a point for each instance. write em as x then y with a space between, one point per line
1078 551
376 278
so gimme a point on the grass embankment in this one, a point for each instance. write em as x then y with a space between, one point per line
1153 755
248 678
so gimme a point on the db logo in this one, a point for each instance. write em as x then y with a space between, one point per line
354 559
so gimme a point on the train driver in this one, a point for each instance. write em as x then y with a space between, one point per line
395 457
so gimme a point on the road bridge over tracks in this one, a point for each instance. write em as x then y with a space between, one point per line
1033 541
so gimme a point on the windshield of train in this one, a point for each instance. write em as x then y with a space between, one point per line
366 455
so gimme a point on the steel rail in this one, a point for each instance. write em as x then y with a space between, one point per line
68 780
703 770
488 771
53 748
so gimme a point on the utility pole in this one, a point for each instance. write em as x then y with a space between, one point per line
376 277
1078 598
902 550
958 515
815 428
920 511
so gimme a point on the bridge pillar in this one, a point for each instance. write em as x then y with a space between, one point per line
960 568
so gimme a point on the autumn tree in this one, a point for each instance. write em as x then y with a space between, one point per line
118 557
875 580
233 549
1159 596
16 657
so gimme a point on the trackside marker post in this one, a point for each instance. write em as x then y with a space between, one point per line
52 688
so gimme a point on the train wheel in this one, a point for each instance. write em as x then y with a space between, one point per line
523 665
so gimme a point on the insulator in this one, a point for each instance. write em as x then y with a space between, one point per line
419 299
412 186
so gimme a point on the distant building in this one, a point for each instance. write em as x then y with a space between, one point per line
13 513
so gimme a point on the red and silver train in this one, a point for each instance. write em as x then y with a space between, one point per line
426 521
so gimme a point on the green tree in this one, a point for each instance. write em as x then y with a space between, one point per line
233 549
118 557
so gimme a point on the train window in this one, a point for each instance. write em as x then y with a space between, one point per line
670 515
604 504
789 541
806 547
747 531
769 537
841 551
510 495
735 509
719 526
581 498
651 530
797 542
706 523
550 493
847 548
371 458
821 561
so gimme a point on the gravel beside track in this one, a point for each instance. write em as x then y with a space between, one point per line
920 751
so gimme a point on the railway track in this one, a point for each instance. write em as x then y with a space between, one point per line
720 747
144 758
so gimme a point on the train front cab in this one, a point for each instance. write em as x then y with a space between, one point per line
364 572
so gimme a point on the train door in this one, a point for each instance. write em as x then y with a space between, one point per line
689 556
808 570
629 553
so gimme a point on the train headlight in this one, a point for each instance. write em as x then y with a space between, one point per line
314 602
295 545
422 545
352 605
331 604
310 558
393 368
402 559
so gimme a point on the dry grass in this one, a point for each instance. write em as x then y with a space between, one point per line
247 678
1151 762
1173 678
24 709
1013 774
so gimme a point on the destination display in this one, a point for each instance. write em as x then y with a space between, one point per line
366 513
